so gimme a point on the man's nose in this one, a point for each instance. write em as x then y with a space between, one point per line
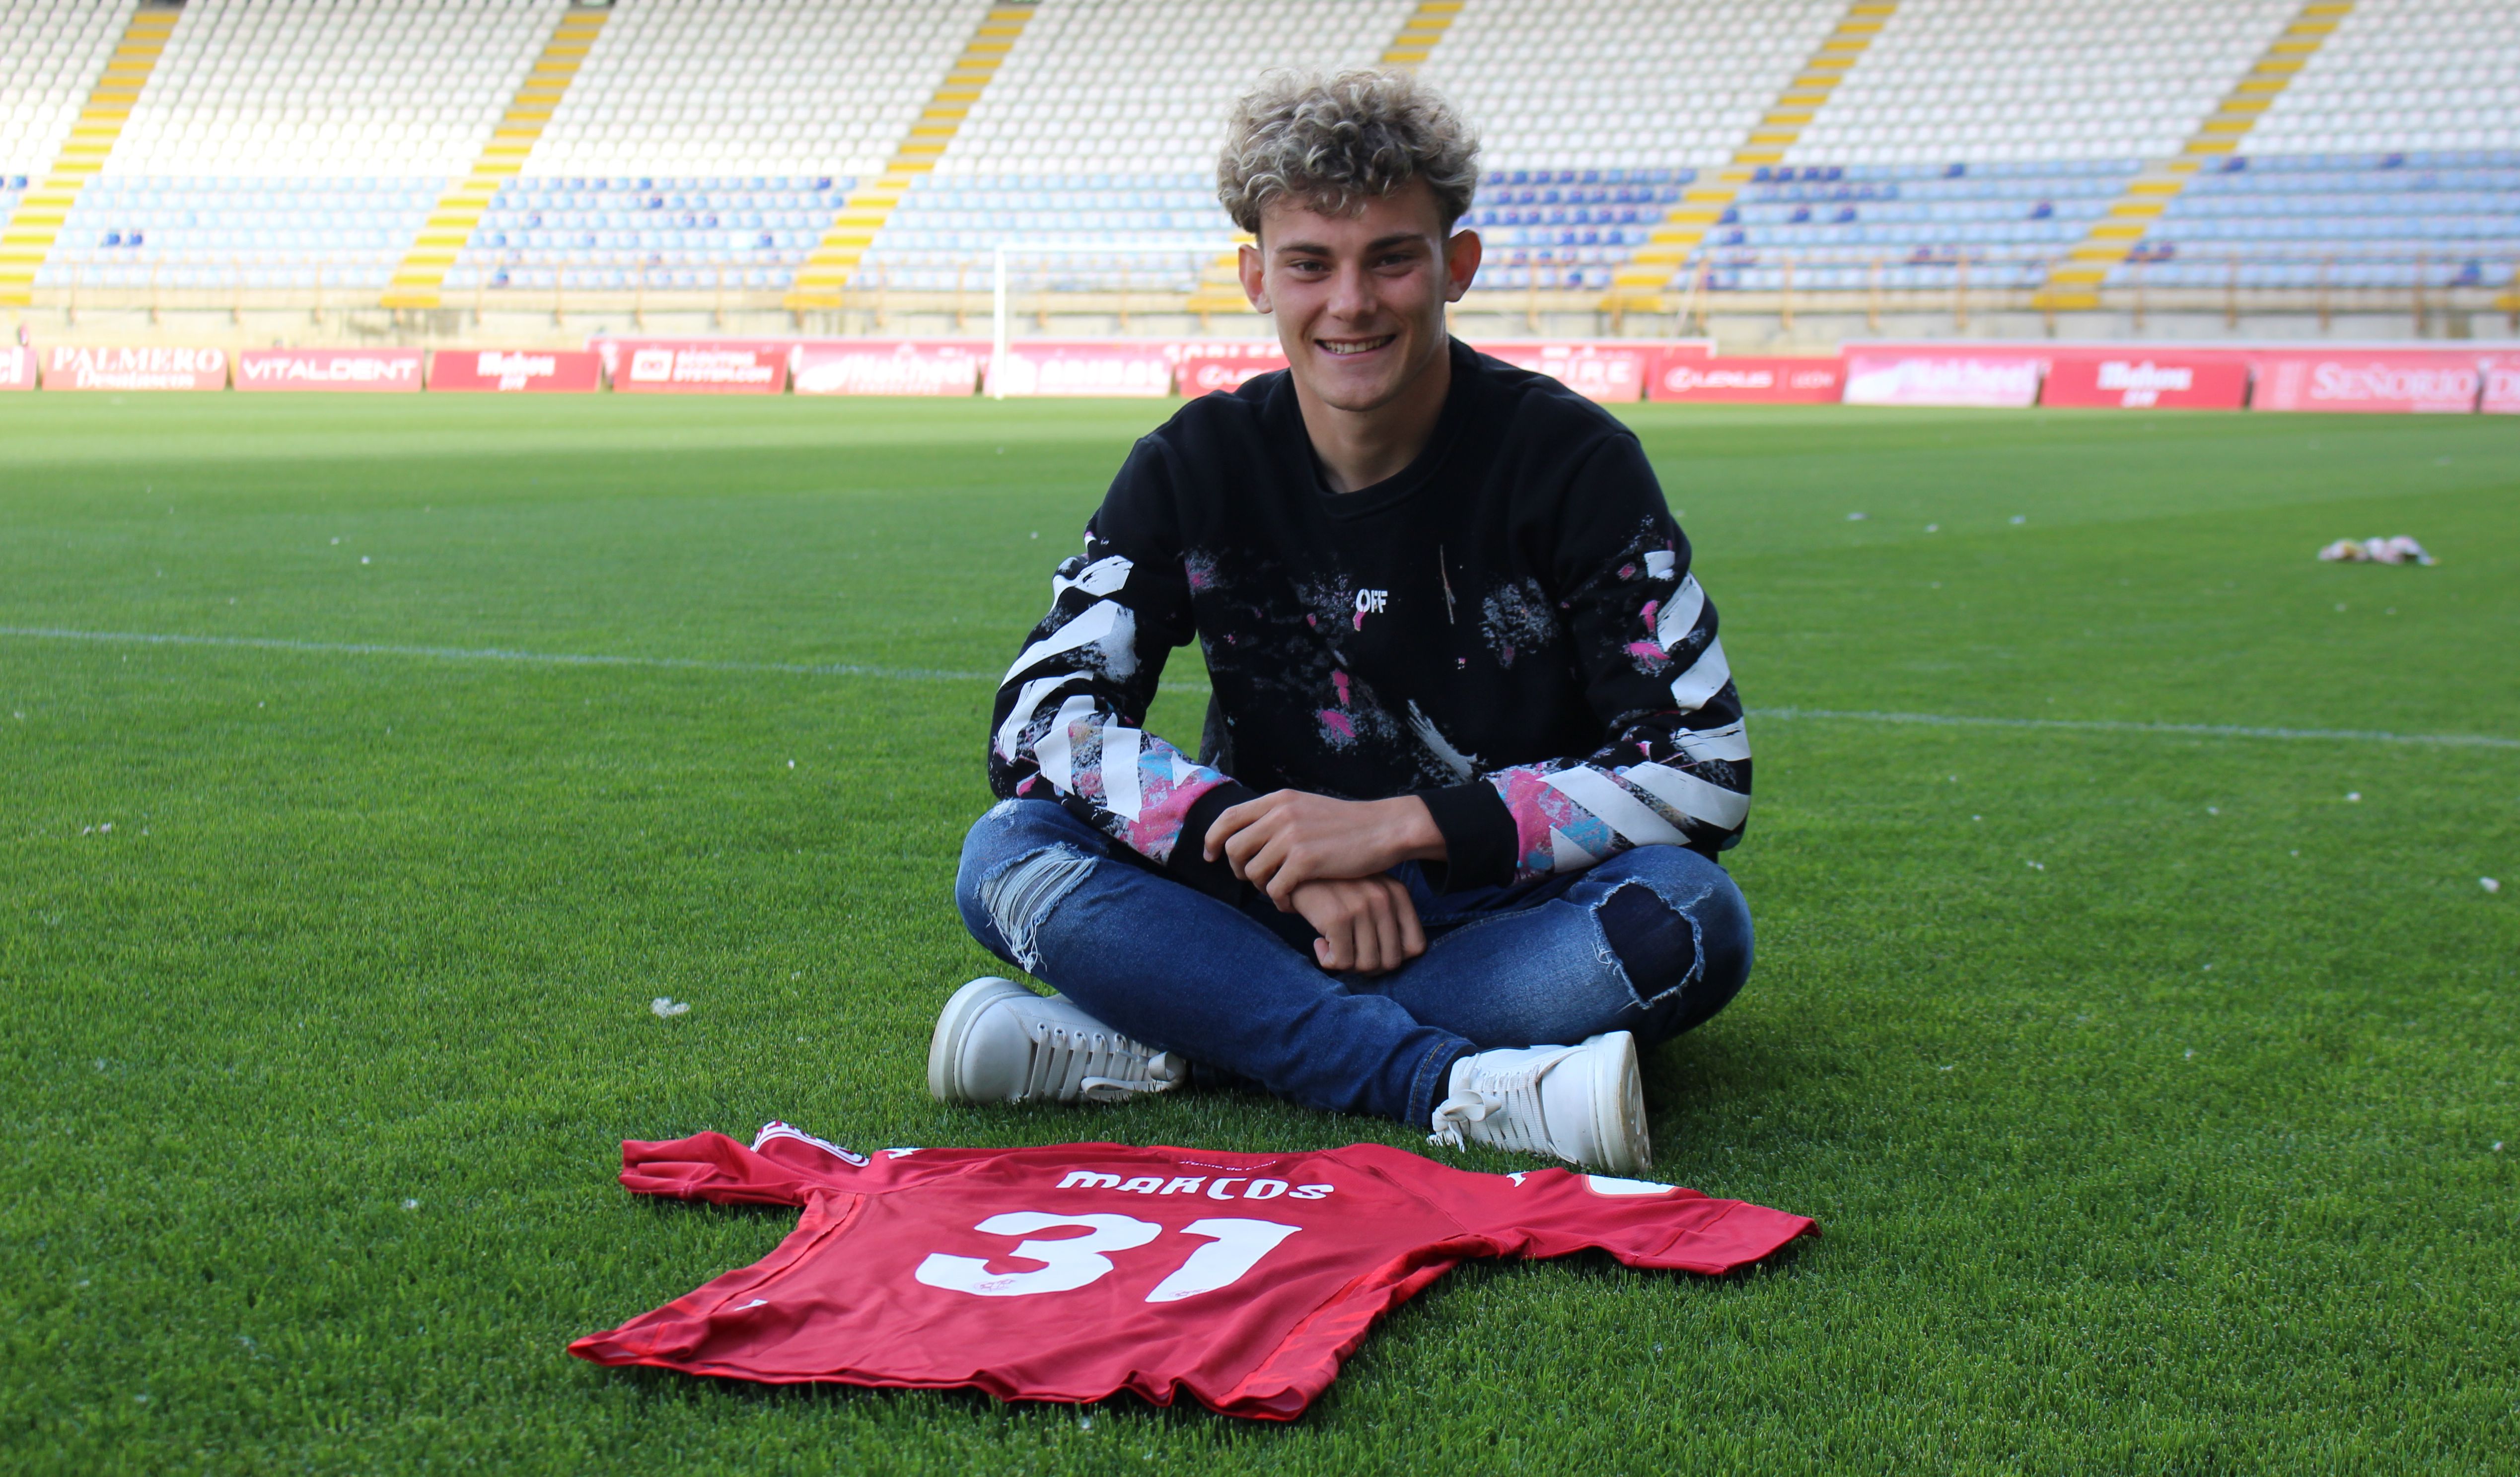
1352 294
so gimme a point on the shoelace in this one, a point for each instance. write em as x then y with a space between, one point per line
1514 1101
1109 1066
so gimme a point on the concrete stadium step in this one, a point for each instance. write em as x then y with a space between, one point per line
1640 282
419 282
36 223
834 259
2074 283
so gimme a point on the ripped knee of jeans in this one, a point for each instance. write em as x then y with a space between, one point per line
1655 944
1683 963
1020 897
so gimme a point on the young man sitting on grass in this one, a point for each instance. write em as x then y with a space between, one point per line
1448 848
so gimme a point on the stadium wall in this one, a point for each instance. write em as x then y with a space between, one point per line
2384 378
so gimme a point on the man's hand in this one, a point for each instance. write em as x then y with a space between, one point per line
1280 841
1367 924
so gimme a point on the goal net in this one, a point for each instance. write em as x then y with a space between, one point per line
1032 281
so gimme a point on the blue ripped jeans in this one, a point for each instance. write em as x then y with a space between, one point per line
1653 940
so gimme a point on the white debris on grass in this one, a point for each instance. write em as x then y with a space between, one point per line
2354 794
2401 550
409 1204
2018 519
667 1007
1857 517
2038 867
2490 885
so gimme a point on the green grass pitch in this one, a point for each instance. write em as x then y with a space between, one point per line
2155 1094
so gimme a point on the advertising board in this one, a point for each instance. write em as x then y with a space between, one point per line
2368 381
1204 365
889 367
359 371
1747 380
695 366
17 367
2138 381
1068 367
1609 371
533 372
1948 377
134 368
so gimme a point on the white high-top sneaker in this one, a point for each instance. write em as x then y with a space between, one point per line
1582 1103
998 1042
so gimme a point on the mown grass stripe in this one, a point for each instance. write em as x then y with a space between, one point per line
937 674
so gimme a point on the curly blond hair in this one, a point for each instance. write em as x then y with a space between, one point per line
1334 142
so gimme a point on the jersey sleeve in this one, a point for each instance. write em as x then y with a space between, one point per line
1070 714
1673 768
783 1166
1554 1212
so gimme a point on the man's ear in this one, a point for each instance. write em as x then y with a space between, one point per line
1255 281
1461 263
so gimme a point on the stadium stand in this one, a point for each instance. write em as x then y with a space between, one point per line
1586 162
296 144
83 80
1103 125
852 233
450 227
821 152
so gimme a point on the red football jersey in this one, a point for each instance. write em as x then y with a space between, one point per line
1075 1270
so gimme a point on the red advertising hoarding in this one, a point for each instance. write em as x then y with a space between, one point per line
695 366
1780 382
1612 370
1944 377
543 372
1203 366
361 371
152 368
2382 380
1072 367
2138 381
889 367
17 367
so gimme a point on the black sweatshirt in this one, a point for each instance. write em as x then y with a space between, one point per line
1507 628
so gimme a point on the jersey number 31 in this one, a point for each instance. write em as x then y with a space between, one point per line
1233 1247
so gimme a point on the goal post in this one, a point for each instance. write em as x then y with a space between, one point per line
1105 267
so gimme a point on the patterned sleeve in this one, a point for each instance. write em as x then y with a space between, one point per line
1070 720
1675 767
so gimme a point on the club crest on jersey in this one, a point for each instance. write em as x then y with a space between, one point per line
1218 1187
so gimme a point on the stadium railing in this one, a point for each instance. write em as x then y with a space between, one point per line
2420 285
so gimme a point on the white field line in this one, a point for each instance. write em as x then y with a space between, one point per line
2183 730
493 653
934 674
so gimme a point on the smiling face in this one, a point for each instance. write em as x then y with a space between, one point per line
1360 298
